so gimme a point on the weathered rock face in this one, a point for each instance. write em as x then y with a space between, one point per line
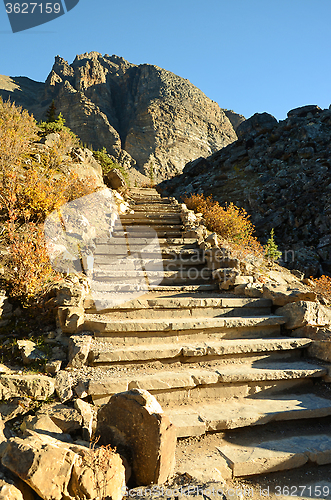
280 174
160 119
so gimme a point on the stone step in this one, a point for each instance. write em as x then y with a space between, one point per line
148 196
163 217
174 214
261 456
190 385
137 193
140 228
107 353
144 200
104 306
157 263
107 245
160 233
184 307
156 209
186 254
193 275
195 420
144 218
277 446
154 205
109 295
130 338
222 325
142 190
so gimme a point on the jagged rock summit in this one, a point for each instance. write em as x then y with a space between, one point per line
144 115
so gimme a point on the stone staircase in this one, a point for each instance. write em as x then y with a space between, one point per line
213 360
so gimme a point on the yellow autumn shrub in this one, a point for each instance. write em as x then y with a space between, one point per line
28 269
322 286
17 130
230 222
30 189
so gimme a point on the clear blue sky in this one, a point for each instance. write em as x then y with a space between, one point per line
247 55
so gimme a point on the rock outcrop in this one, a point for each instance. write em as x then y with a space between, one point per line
279 172
157 117
55 470
234 118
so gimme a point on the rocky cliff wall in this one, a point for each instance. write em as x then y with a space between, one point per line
280 172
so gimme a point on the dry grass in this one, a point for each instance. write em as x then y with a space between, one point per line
322 286
99 461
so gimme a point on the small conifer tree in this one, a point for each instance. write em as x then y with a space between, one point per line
50 114
271 250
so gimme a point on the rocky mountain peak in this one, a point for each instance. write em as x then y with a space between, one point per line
158 118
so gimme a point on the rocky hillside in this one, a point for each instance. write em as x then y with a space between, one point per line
144 115
280 173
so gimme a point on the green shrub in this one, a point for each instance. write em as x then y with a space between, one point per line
107 164
57 125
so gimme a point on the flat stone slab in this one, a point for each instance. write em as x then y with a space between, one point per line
113 272
136 226
135 353
189 378
190 420
102 323
269 371
242 346
164 380
138 241
236 413
104 352
278 454
104 287
192 303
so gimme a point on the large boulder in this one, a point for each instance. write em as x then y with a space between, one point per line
115 180
303 111
256 124
284 294
136 420
66 418
302 313
56 470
